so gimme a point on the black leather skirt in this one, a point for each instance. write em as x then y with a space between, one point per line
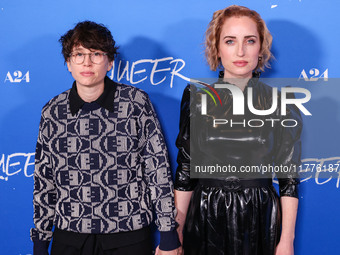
241 220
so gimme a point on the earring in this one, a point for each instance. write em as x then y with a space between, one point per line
260 59
256 74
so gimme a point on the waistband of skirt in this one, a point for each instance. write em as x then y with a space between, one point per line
234 183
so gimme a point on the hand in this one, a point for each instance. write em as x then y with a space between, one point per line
180 237
172 252
180 251
180 234
285 248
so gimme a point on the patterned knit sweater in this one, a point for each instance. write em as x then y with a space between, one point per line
98 171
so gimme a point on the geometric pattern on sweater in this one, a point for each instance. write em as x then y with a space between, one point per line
99 171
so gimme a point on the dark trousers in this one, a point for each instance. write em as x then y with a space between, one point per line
68 243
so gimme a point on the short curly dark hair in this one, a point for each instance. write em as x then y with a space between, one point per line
90 35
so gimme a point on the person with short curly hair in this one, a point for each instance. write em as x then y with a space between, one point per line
101 165
90 35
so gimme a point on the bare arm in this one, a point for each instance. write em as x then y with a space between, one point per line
289 211
182 199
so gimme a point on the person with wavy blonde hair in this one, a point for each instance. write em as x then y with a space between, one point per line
212 35
235 214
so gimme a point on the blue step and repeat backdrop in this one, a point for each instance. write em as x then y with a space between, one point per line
160 49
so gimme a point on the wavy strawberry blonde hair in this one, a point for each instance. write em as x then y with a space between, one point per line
213 33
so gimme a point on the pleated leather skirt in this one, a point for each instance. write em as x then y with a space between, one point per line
242 222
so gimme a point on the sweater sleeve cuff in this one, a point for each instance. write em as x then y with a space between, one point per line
169 240
40 247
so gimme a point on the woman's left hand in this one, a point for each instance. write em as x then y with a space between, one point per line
285 248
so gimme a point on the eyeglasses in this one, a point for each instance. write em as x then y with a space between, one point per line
95 57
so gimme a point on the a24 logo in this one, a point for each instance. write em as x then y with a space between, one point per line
17 77
314 75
